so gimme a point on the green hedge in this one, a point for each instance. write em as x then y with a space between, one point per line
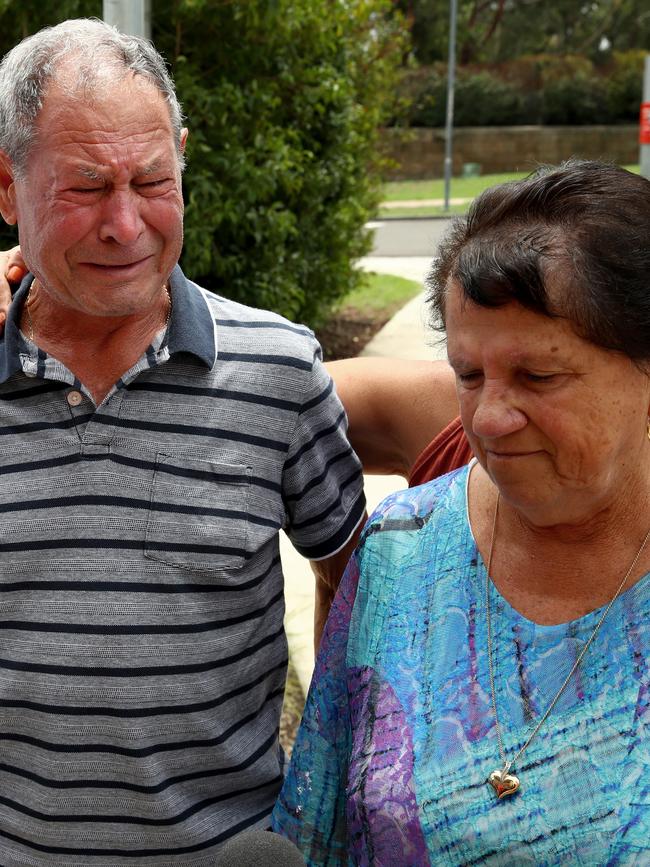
543 89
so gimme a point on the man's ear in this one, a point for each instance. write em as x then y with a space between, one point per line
7 190
184 133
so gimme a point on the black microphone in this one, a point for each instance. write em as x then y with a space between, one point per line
259 849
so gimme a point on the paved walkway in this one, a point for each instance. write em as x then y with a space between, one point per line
405 336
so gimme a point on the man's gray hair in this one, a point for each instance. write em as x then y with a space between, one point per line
98 50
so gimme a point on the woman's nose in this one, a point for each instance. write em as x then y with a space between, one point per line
496 413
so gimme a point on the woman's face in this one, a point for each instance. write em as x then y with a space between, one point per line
558 423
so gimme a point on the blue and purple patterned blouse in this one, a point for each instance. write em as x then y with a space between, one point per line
398 735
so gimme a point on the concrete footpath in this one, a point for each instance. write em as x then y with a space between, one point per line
405 336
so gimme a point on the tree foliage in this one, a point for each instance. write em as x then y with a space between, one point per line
21 18
493 31
283 100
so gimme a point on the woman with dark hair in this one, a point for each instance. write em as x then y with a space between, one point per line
482 693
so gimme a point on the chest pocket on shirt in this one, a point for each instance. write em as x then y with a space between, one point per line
198 515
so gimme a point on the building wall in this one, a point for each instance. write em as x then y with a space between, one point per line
419 153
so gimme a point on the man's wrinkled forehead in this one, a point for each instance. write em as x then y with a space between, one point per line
87 87
90 87
111 112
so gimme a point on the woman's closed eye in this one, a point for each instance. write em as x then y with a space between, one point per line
469 379
543 379
540 377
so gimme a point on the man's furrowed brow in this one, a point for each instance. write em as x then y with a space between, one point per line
151 169
90 174
97 173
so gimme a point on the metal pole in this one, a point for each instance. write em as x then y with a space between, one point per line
644 131
451 80
129 16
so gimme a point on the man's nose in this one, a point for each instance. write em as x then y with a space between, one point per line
497 413
121 220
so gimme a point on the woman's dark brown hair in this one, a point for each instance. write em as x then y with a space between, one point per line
571 241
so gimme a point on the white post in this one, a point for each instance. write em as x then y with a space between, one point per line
451 78
129 16
644 127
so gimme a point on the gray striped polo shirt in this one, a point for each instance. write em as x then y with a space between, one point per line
143 655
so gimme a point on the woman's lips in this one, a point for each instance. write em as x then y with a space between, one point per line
510 455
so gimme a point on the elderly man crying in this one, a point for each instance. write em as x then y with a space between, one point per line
156 438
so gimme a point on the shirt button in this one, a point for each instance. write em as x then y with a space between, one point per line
74 398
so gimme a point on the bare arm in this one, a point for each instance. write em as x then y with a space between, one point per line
328 575
395 408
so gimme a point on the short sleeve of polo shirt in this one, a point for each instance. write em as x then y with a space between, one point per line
322 478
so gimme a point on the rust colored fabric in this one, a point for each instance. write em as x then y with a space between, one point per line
446 452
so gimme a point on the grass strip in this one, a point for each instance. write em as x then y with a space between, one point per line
460 188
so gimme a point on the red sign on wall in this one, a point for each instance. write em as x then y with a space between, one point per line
644 124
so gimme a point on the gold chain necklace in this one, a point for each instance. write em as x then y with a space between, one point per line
502 781
30 321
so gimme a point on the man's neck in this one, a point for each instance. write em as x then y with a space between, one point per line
97 349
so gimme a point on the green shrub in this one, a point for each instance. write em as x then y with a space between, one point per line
534 89
484 99
579 100
284 99
624 77
480 99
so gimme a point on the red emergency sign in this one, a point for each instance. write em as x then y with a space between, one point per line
644 124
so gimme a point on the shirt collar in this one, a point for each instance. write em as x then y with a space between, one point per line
12 344
191 325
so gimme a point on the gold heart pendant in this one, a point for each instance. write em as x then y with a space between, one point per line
503 783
